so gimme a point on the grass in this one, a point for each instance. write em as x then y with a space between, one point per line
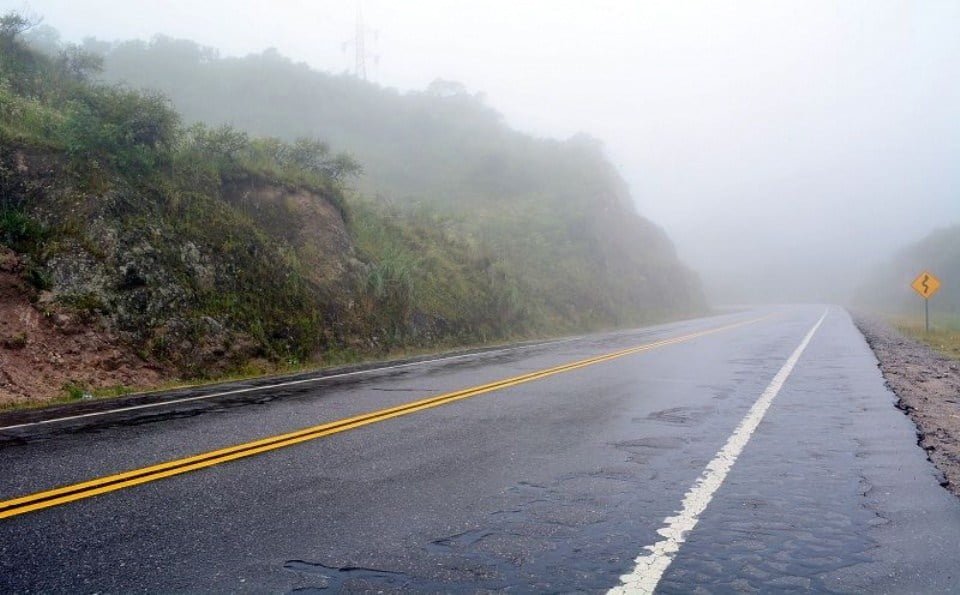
75 391
944 336
28 120
71 393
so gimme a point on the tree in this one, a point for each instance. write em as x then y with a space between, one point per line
79 63
43 38
13 24
314 155
223 143
127 129
446 88
19 65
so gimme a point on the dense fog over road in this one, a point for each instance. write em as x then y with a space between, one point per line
529 296
786 147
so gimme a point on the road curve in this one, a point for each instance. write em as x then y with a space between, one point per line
552 467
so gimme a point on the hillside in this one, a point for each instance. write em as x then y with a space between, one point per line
888 288
556 215
138 245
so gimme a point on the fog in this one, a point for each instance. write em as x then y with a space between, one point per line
785 147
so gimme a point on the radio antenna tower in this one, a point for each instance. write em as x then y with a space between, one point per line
359 43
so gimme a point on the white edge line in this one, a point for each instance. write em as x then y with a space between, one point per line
649 568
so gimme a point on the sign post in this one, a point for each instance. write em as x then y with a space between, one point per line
926 285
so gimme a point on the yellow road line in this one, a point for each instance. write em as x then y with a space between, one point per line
111 483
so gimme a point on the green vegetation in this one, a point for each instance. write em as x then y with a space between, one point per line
75 391
944 337
19 231
214 250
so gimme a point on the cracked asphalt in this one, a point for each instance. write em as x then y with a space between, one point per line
552 485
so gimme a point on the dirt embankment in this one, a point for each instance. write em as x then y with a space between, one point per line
928 387
44 349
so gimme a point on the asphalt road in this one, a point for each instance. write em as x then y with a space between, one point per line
552 482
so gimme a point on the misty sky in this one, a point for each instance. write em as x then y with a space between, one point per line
784 146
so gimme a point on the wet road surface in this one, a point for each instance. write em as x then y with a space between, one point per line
553 484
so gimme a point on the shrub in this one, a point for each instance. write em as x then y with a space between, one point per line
40 278
85 303
20 231
128 131
76 391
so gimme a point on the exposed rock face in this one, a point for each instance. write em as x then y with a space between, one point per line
46 348
313 226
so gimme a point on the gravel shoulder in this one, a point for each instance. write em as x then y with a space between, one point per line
927 386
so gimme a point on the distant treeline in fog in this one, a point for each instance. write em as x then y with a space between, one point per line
889 291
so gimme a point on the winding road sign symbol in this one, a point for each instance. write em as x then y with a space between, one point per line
926 284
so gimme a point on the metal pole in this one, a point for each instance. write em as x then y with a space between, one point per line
926 313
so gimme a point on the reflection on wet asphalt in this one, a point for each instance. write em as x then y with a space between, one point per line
555 485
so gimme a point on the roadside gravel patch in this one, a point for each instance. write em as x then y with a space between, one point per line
927 386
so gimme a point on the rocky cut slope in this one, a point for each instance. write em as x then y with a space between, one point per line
105 282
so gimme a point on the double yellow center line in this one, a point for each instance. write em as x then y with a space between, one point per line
119 481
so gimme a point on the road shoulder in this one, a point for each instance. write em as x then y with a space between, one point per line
927 386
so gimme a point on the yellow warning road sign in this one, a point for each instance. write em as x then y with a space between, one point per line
926 284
